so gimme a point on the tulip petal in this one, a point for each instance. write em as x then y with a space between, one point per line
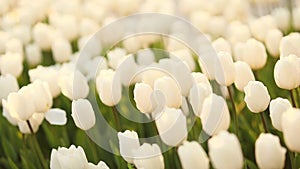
56 116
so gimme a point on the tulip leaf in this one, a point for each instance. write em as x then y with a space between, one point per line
12 164
9 149
297 161
250 165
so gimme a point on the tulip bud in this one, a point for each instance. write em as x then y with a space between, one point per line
201 78
145 57
254 53
223 148
287 44
225 72
277 107
22 32
33 54
88 26
4 37
14 46
66 24
116 57
46 74
43 35
35 121
56 116
221 44
11 63
287 72
237 32
192 155
170 90
198 93
268 152
257 96
217 25
290 128
142 96
148 156
171 126
282 18
185 56
272 41
61 50
127 70
296 21
150 75
128 142
83 114
132 44
244 74
109 87
8 84
71 157
215 115
100 165
259 27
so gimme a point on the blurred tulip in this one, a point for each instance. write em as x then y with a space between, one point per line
171 126
290 128
272 42
33 54
170 90
225 73
56 116
128 142
215 115
35 122
127 70
14 46
148 156
260 26
61 49
43 35
296 21
22 32
109 87
11 63
142 96
287 44
198 93
83 114
192 156
277 107
67 158
145 57
287 72
8 84
201 78
185 56
257 96
223 148
282 17
222 44
116 57
268 152
244 74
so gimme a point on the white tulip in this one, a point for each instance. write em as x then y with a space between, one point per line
148 156
61 49
46 74
11 63
237 32
4 37
33 54
94 65
254 53
215 115
109 87
83 114
217 26
8 84
66 24
257 96
272 41
290 128
22 32
128 142
116 57
14 46
244 74
288 44
127 70
198 93
260 26
132 44
282 18
171 126
185 56
150 75
287 72
145 57
201 78
142 96
43 35
67 158
200 20
89 45
296 21
225 71
56 116
192 155
223 148
277 107
35 122
268 152
100 165
221 44
170 90
88 26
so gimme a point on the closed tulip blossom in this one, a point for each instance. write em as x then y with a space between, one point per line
287 72
244 74
61 49
268 152
35 121
148 156
223 148
257 97
33 54
221 44
288 44
171 126
198 93
260 26
272 42
215 115
282 18
225 73
128 142
83 114
277 107
8 84
290 128
142 96
192 155
11 63
201 78
100 165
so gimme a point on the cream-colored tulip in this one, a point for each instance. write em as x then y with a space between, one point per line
198 93
288 44
282 18
8 84
61 49
277 107
223 148
148 156
290 128
296 15
11 63
142 96
33 54
257 96
43 35
128 142
287 72
201 78
215 115
83 114
272 42
116 57
225 71
185 56
192 156
14 46
35 121
268 152
56 116
221 44
171 126
260 26
244 74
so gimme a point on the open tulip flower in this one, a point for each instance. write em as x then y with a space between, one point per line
150 84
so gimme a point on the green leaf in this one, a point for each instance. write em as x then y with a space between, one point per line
297 161
9 150
12 164
250 165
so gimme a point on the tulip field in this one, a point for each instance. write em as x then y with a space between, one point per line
150 84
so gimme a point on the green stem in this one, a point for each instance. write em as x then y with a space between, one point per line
264 122
292 98
234 113
292 157
115 112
